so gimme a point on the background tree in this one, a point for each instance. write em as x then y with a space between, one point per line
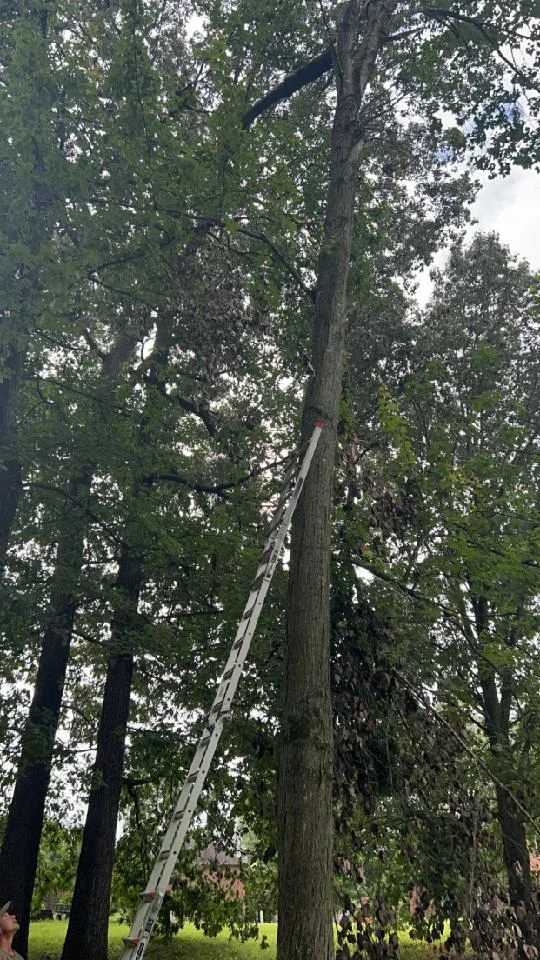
464 422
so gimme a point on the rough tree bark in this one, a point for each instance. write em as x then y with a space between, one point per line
306 752
24 825
515 850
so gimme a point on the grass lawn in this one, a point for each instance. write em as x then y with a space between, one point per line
47 937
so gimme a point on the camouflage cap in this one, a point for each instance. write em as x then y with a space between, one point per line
6 908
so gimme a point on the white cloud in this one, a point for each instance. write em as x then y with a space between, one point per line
510 206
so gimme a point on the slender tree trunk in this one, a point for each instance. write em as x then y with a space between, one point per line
306 754
515 849
86 937
22 836
497 708
518 867
10 468
20 845
87 933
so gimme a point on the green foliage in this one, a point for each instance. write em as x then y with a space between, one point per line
134 206
451 544
57 863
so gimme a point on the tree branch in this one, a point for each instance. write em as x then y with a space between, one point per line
217 488
292 271
448 16
200 410
479 762
293 82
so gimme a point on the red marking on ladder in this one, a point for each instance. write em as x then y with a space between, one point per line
319 423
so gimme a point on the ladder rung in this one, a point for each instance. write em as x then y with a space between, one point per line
256 583
193 776
216 708
277 521
148 895
131 941
163 855
249 610
238 643
267 552
228 673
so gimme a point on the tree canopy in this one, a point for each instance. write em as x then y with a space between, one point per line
210 239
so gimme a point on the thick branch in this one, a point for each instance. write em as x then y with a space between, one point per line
200 410
293 82
301 77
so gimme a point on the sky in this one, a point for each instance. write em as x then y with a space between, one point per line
510 206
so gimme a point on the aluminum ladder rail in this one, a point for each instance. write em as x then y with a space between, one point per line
152 896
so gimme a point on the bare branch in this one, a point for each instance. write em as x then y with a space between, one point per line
479 762
292 271
218 489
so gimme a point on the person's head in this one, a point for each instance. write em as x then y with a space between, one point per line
8 921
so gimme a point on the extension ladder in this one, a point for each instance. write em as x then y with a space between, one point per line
152 896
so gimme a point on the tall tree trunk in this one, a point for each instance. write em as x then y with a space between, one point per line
306 752
510 817
22 836
10 468
515 849
86 937
497 707
20 845
87 933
